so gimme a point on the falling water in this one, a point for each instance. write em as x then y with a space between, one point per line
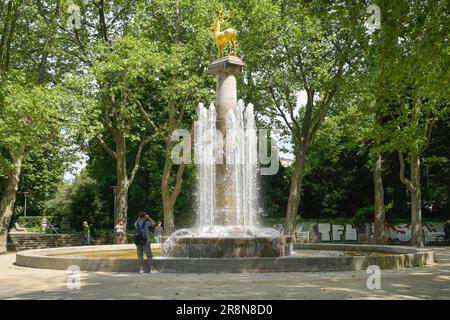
240 154
250 168
205 136
241 237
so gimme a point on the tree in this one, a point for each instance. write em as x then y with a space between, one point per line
33 112
418 96
187 47
310 48
374 99
115 68
148 81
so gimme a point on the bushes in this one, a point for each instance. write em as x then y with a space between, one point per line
363 215
29 222
35 221
79 202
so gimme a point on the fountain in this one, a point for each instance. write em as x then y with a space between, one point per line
226 237
227 171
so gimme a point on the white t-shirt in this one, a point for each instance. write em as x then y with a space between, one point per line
119 229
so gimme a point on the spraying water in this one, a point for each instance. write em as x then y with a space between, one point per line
227 189
241 160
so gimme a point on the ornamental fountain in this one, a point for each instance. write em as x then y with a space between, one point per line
226 237
227 170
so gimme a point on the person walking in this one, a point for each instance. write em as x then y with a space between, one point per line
119 230
447 232
86 234
142 241
159 231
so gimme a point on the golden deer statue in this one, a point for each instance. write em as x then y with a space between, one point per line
221 38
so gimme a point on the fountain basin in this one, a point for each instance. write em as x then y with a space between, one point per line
226 242
390 257
226 247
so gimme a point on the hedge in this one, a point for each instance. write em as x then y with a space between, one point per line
35 221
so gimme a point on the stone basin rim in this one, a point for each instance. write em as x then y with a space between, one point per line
401 257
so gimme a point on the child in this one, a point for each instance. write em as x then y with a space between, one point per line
120 232
158 232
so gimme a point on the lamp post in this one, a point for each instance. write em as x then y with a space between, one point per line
26 195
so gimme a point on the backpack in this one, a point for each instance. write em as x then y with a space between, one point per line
139 236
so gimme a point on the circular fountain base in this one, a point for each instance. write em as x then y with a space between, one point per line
94 258
226 242
226 247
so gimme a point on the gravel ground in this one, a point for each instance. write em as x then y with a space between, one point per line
430 282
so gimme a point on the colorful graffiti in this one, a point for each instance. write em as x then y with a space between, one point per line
328 232
336 232
402 232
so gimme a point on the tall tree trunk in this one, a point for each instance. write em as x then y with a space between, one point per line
169 197
413 185
448 194
9 198
168 206
295 193
122 179
169 194
416 202
379 214
4 34
7 39
448 190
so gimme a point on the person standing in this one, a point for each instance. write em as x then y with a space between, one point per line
158 232
447 232
86 234
142 241
120 232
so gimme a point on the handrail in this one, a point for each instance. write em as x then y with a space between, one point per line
52 227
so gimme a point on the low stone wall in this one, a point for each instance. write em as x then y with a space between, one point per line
401 257
18 241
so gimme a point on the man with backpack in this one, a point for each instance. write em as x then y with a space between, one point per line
142 241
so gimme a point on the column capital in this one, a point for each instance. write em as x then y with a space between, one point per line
226 65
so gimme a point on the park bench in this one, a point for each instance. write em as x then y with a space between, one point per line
302 236
434 237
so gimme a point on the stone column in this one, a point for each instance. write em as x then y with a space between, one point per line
225 70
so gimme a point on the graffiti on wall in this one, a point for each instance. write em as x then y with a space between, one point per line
403 233
336 232
327 232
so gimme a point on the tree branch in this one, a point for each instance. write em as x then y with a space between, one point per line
288 124
102 20
106 121
178 183
107 149
145 115
428 131
137 160
307 119
403 179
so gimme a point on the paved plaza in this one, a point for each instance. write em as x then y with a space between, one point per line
429 282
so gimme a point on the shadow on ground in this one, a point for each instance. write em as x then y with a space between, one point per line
430 282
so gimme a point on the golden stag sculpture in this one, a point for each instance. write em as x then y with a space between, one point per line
221 38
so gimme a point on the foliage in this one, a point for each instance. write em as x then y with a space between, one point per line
369 92
79 202
35 221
